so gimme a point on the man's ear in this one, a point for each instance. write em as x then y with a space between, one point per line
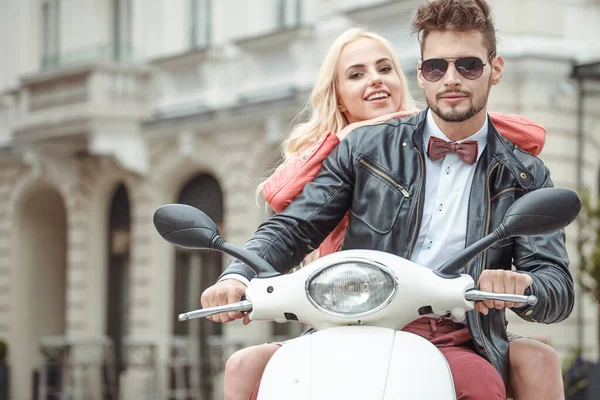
420 76
497 68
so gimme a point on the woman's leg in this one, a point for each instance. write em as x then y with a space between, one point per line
535 371
244 369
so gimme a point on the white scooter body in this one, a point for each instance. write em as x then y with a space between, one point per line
359 301
357 362
358 355
366 358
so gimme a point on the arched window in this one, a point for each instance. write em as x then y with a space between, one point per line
39 286
119 241
196 271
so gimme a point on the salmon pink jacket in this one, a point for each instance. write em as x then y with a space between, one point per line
289 179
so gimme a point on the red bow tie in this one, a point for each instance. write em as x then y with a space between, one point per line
438 148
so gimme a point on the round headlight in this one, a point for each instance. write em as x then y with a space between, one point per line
351 288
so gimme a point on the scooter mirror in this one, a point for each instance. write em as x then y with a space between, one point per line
186 226
542 211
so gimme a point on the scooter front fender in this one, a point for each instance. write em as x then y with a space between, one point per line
358 362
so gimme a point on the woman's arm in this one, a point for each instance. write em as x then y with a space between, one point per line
289 179
528 135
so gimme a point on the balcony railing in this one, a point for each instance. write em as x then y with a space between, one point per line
186 375
106 52
76 368
54 100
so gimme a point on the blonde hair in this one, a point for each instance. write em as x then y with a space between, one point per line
324 100
323 104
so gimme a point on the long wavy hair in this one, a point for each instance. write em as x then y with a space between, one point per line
323 105
324 98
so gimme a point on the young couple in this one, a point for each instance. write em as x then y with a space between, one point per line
460 169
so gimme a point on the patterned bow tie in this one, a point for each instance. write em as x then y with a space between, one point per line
438 148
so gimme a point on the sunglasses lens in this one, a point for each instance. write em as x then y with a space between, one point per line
433 69
469 67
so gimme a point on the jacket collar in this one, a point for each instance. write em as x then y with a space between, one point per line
498 148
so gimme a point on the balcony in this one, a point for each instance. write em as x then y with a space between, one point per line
81 93
92 108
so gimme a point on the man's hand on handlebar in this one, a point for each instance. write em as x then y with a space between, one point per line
501 281
222 293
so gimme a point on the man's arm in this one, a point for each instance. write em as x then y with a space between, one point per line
285 238
544 258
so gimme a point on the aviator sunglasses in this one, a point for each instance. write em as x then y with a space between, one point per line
471 68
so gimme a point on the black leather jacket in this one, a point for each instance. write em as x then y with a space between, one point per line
378 173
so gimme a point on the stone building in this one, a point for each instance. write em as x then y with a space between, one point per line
109 109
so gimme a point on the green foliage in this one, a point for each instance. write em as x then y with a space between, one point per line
575 368
576 371
588 246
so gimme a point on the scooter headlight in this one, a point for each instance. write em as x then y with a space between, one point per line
352 288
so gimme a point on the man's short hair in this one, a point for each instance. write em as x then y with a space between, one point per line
455 16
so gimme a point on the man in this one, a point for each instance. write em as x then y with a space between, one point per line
459 176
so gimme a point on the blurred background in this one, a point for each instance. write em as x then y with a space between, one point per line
111 108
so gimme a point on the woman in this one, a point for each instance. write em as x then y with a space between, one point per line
361 83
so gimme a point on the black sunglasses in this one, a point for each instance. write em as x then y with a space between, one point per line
471 68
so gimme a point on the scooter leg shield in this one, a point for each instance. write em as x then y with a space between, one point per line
358 363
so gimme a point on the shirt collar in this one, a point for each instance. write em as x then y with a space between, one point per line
432 129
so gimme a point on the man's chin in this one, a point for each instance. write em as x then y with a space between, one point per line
457 112
454 114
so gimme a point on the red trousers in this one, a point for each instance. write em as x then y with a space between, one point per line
474 377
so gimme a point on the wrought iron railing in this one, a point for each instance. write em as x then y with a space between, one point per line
75 368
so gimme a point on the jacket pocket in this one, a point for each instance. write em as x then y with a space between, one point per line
378 196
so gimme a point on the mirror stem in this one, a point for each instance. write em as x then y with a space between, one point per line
451 268
262 268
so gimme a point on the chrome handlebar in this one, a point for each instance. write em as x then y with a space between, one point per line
242 306
478 295
245 305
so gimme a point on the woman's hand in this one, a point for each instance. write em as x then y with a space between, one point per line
374 121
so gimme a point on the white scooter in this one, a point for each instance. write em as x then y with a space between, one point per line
358 300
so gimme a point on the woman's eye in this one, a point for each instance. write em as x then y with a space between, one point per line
386 69
356 75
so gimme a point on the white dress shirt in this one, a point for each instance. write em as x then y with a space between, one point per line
447 189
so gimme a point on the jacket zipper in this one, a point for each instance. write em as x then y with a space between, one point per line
505 191
417 225
484 261
386 177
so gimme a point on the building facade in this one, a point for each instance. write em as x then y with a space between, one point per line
109 109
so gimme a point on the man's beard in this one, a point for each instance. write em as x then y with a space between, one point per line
454 115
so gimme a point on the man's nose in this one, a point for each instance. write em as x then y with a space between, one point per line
452 76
